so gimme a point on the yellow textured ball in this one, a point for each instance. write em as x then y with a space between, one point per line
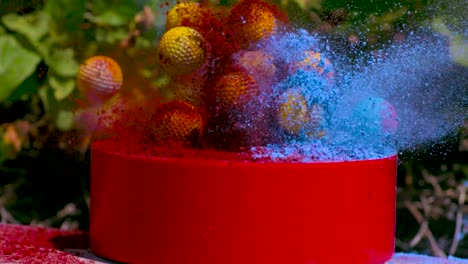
292 112
182 50
185 13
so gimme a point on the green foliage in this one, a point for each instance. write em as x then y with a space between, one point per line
62 87
58 35
113 12
458 44
62 62
32 26
67 16
17 64
64 120
42 44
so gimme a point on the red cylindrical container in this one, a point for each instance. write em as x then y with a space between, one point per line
180 210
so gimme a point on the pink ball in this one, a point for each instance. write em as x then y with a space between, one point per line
375 116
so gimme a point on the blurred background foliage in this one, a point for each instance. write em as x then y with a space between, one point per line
44 160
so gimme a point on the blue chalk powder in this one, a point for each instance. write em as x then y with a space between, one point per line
374 110
289 46
314 88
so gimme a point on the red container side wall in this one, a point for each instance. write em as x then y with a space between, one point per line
178 211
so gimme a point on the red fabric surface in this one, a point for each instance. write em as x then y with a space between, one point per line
27 244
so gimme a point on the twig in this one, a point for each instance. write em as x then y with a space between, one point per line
6 217
432 242
458 223
433 181
420 235
425 204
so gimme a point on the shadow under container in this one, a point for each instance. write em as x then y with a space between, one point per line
182 210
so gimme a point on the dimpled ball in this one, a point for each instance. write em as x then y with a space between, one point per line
251 21
292 113
315 61
375 116
182 50
175 120
98 79
185 90
235 88
185 14
258 63
203 20
317 121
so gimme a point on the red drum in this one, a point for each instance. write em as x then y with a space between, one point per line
209 211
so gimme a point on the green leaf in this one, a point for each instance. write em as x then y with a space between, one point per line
33 26
64 120
113 12
439 25
68 15
62 62
306 4
393 15
25 89
16 65
458 44
110 18
62 87
41 48
46 97
459 50
2 30
111 37
464 170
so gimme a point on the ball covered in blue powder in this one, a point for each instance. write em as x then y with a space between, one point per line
304 101
314 61
375 116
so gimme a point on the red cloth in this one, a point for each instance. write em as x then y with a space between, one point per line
27 244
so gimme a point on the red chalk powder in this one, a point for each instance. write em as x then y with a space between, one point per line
25 244
131 146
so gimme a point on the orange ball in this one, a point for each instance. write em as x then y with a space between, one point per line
176 120
251 21
259 64
235 88
98 79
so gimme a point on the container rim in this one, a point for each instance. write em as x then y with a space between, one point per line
232 161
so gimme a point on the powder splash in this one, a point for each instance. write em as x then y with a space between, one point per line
412 96
422 83
317 102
